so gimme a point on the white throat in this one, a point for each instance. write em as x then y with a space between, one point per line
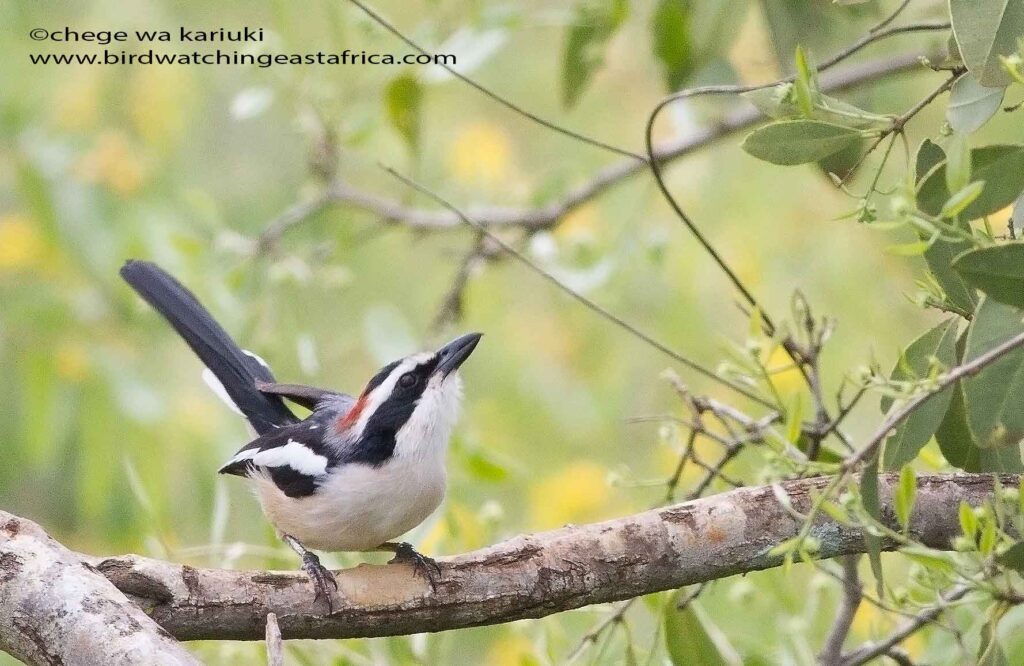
425 435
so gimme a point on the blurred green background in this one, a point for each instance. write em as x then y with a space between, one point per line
111 441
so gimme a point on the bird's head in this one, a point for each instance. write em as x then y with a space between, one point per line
410 406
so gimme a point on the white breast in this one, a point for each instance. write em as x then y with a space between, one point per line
359 507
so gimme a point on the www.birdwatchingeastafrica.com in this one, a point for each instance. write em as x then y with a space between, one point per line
218 57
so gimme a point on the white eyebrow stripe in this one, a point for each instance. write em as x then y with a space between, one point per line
294 454
381 393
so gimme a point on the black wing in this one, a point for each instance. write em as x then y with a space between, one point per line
307 396
237 370
296 457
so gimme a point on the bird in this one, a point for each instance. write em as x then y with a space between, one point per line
355 474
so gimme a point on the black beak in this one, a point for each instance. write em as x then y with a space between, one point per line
454 354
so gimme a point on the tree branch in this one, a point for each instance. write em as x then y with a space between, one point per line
528 576
831 653
548 215
55 609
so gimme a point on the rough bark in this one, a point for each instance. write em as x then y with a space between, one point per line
527 576
56 609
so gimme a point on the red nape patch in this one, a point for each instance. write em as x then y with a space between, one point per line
350 418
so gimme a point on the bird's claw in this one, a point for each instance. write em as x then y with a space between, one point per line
426 567
320 576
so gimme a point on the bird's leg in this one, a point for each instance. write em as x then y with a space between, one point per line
421 564
318 574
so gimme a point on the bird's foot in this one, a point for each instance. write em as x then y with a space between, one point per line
426 567
320 576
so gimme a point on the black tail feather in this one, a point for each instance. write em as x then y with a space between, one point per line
237 371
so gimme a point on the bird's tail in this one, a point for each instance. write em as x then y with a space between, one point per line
237 370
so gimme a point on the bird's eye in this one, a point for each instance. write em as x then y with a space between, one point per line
408 380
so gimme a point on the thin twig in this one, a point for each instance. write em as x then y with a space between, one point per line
591 305
380 20
548 215
594 634
868 652
899 122
878 603
897 417
677 473
275 648
832 651
292 216
451 307
732 90
890 18
715 472
844 411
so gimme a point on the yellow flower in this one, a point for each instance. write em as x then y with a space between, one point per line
21 244
999 219
481 155
198 413
872 622
459 529
784 373
159 99
577 493
72 361
511 650
579 223
751 53
76 104
113 162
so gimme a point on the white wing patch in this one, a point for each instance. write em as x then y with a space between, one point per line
257 357
294 454
218 389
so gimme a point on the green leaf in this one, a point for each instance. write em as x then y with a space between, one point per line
687 36
595 23
791 142
872 503
984 31
1001 167
929 559
1017 217
906 493
939 258
792 22
972 104
914 249
914 432
485 466
959 448
954 437
929 155
998 271
993 397
794 418
672 43
686 638
962 199
1012 558
958 162
990 652
779 102
968 520
803 84
403 98
987 540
